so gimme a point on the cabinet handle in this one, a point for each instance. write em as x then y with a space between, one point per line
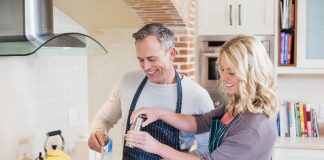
230 7
239 7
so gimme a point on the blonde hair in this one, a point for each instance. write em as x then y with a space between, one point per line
252 65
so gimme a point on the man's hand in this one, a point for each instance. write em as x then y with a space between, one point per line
97 140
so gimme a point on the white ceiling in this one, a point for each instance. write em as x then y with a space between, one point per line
99 14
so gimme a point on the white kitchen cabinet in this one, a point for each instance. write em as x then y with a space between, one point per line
299 149
309 45
310 48
230 17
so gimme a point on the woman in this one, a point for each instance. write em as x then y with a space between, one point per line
245 129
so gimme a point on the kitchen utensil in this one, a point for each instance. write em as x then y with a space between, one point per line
137 125
55 153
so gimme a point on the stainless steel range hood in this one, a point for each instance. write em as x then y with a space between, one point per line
26 26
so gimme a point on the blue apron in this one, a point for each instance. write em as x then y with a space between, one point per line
218 129
160 130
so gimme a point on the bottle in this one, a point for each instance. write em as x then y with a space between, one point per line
137 125
108 150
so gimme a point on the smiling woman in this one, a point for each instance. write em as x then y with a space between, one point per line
246 75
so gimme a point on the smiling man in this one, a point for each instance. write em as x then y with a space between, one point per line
158 85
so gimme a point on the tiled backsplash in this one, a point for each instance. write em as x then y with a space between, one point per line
39 94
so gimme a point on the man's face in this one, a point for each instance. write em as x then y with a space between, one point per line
157 65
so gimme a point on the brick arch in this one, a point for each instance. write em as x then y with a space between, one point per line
179 16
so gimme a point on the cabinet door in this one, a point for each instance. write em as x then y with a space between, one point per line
216 17
297 154
310 33
255 17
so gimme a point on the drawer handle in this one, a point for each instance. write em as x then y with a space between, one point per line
230 7
239 7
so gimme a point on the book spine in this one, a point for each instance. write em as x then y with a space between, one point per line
278 123
293 16
286 49
293 120
309 123
282 47
301 112
312 122
289 116
289 14
316 128
282 119
305 120
298 133
289 49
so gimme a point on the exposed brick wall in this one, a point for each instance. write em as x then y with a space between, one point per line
179 16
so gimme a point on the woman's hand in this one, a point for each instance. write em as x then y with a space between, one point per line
143 140
146 142
152 115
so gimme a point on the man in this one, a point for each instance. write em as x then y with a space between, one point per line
158 85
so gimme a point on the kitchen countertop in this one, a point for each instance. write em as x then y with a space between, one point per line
300 143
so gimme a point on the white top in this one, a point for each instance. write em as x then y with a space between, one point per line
195 100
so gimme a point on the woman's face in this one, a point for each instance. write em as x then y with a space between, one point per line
228 77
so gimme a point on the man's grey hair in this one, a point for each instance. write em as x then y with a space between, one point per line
164 35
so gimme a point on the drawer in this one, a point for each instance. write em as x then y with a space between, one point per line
297 154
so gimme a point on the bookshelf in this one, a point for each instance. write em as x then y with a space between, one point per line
287 20
300 81
297 140
298 119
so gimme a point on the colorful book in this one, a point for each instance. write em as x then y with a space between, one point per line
316 128
289 48
286 49
291 113
283 120
297 116
305 121
301 118
293 16
278 123
289 13
309 121
282 47
297 119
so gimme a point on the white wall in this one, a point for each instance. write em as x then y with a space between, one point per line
40 94
104 72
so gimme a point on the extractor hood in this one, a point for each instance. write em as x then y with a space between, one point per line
26 26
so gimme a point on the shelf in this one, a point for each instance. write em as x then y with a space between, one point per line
300 143
287 31
298 71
